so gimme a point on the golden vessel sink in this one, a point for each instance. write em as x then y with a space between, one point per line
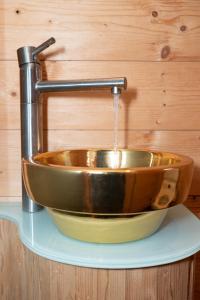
107 182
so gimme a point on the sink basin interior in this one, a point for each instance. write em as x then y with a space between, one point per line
122 158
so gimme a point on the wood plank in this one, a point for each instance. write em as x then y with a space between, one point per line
183 142
196 287
159 96
86 283
11 262
25 275
103 30
165 287
169 277
112 284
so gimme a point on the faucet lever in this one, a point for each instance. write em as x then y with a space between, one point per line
43 46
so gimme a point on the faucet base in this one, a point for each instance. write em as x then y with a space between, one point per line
28 204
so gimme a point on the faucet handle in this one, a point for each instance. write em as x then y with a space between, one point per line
43 46
28 54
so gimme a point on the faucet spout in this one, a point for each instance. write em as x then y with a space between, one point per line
76 85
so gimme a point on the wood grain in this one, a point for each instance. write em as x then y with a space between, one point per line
196 287
159 96
27 276
11 262
165 285
112 284
103 30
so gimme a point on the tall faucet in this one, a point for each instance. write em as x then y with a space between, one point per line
31 88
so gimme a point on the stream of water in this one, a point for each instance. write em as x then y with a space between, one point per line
116 159
116 122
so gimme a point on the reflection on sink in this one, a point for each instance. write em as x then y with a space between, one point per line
105 182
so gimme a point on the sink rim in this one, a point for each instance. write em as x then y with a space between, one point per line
183 160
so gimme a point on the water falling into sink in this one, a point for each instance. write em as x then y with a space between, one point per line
116 121
116 154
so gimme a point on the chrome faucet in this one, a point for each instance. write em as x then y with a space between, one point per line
31 88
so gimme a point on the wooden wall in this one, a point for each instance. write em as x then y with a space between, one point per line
155 44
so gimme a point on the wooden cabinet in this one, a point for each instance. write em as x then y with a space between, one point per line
27 276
